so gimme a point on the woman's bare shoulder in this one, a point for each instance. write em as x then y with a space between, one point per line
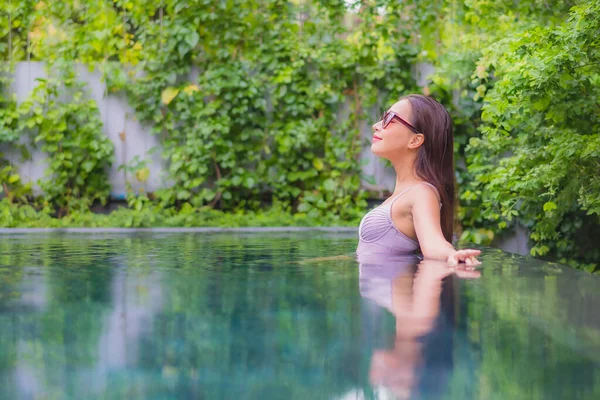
425 192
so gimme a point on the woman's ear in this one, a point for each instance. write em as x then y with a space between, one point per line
416 141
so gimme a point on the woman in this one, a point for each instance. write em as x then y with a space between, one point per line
415 135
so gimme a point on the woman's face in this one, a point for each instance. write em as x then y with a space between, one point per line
393 141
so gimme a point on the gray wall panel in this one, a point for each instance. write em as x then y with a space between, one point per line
116 115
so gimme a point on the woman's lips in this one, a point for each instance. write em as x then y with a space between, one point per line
375 138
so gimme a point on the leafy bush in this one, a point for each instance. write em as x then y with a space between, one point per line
275 119
538 157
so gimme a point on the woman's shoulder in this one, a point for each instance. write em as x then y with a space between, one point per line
425 191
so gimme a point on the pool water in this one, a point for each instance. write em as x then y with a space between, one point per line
258 315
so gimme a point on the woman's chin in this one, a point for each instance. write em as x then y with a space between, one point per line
375 149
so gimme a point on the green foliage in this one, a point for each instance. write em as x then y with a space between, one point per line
16 17
521 82
242 122
9 115
537 159
11 185
149 215
70 132
261 122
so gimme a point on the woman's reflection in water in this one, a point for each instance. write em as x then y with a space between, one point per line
420 296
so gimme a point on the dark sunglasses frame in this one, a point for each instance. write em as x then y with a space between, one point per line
389 116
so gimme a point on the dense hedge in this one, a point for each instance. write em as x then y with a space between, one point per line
282 91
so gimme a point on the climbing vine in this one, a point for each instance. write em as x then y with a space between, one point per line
262 121
70 132
248 112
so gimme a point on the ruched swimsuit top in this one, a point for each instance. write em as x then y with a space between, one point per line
378 234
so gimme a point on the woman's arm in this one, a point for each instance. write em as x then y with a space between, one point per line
426 219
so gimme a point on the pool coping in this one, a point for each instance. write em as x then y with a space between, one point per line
340 229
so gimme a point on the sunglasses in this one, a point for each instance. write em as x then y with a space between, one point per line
389 116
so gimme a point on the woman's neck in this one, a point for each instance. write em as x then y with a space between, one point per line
405 175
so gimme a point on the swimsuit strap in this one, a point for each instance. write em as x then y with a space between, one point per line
391 203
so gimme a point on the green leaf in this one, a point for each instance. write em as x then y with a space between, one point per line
330 185
370 179
87 166
168 95
13 178
304 207
541 104
549 206
62 125
318 164
142 174
183 194
249 182
192 39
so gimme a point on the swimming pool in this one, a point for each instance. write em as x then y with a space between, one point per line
278 315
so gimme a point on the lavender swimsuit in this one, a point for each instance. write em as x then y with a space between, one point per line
378 234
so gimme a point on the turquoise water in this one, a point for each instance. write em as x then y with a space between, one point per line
278 315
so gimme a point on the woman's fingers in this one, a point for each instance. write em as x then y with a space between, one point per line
468 256
469 252
472 261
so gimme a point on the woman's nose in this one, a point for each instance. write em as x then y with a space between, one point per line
377 126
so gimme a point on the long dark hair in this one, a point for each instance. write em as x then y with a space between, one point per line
435 160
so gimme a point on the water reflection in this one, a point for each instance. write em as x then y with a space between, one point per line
258 316
72 327
185 316
421 297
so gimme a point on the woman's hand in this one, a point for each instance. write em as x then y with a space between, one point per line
468 256
441 269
